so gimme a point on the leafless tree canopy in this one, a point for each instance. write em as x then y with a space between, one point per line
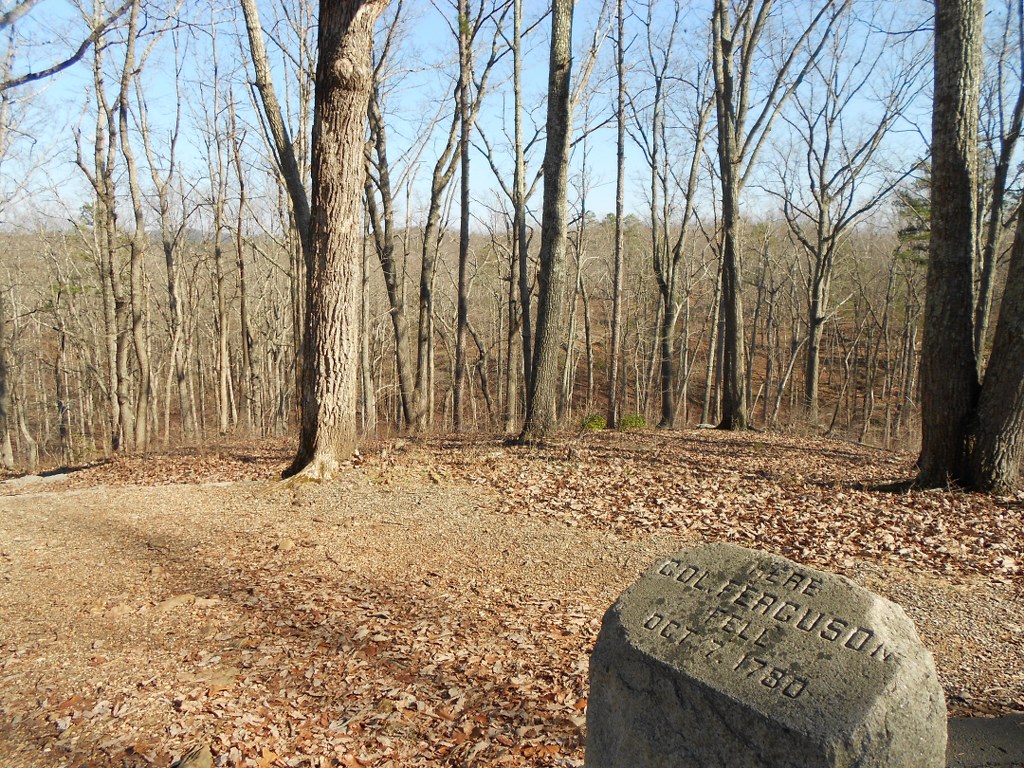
530 218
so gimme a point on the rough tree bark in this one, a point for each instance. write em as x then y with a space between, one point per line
999 438
344 76
542 397
949 377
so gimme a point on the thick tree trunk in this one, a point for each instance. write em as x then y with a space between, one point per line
949 377
999 437
734 400
344 77
542 402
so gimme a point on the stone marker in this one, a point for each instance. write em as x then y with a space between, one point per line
722 657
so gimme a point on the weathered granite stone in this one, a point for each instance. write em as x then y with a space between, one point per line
720 656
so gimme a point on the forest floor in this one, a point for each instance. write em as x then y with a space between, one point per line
437 605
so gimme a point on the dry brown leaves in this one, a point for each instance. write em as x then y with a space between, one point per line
294 669
280 665
806 498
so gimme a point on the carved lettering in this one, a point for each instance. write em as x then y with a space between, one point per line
833 630
747 596
859 638
766 601
808 624
769 675
785 612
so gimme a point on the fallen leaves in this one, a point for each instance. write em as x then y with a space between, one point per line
801 497
266 650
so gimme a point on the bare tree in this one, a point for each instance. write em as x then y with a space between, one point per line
139 237
286 153
1003 117
949 371
999 434
99 27
748 102
331 356
542 397
667 211
101 234
835 173
614 347
172 235
6 452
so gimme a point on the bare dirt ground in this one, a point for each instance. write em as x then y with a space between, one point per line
438 604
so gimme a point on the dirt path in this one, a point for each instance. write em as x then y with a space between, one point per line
404 617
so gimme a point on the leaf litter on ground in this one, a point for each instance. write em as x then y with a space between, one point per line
437 606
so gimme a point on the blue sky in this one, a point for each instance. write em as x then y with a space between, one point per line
61 107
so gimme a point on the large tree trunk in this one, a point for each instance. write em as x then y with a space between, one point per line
999 438
949 378
542 400
344 77
734 400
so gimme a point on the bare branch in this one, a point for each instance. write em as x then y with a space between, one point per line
97 33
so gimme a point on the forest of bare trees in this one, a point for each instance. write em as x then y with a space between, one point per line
624 213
